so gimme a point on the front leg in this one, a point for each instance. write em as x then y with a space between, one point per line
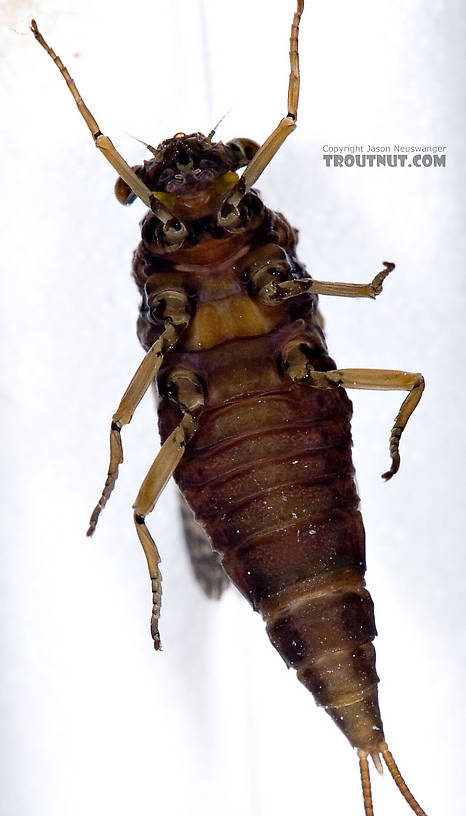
229 215
173 231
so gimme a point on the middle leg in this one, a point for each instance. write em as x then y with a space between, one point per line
269 271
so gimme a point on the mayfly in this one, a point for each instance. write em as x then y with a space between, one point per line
253 413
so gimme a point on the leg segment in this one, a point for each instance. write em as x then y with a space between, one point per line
162 468
269 272
275 291
300 370
190 399
229 213
129 402
174 231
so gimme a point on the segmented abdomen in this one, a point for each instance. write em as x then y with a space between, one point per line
270 476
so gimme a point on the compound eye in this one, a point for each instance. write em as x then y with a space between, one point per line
123 191
243 150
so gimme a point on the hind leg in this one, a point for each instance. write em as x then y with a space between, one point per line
189 394
299 368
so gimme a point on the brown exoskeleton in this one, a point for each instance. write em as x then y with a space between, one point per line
253 414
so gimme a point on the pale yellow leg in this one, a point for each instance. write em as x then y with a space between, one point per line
300 370
129 402
162 468
229 213
275 291
386 380
175 230
190 398
383 380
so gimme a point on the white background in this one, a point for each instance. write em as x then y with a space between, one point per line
93 721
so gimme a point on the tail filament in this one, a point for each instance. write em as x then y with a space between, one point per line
395 773
365 782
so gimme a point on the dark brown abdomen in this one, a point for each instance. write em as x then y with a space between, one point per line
270 476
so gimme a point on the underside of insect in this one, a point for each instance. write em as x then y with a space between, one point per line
253 413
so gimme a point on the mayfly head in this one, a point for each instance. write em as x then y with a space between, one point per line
190 174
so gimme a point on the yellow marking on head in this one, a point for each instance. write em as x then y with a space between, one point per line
226 182
166 198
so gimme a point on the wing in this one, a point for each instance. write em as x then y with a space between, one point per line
205 562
